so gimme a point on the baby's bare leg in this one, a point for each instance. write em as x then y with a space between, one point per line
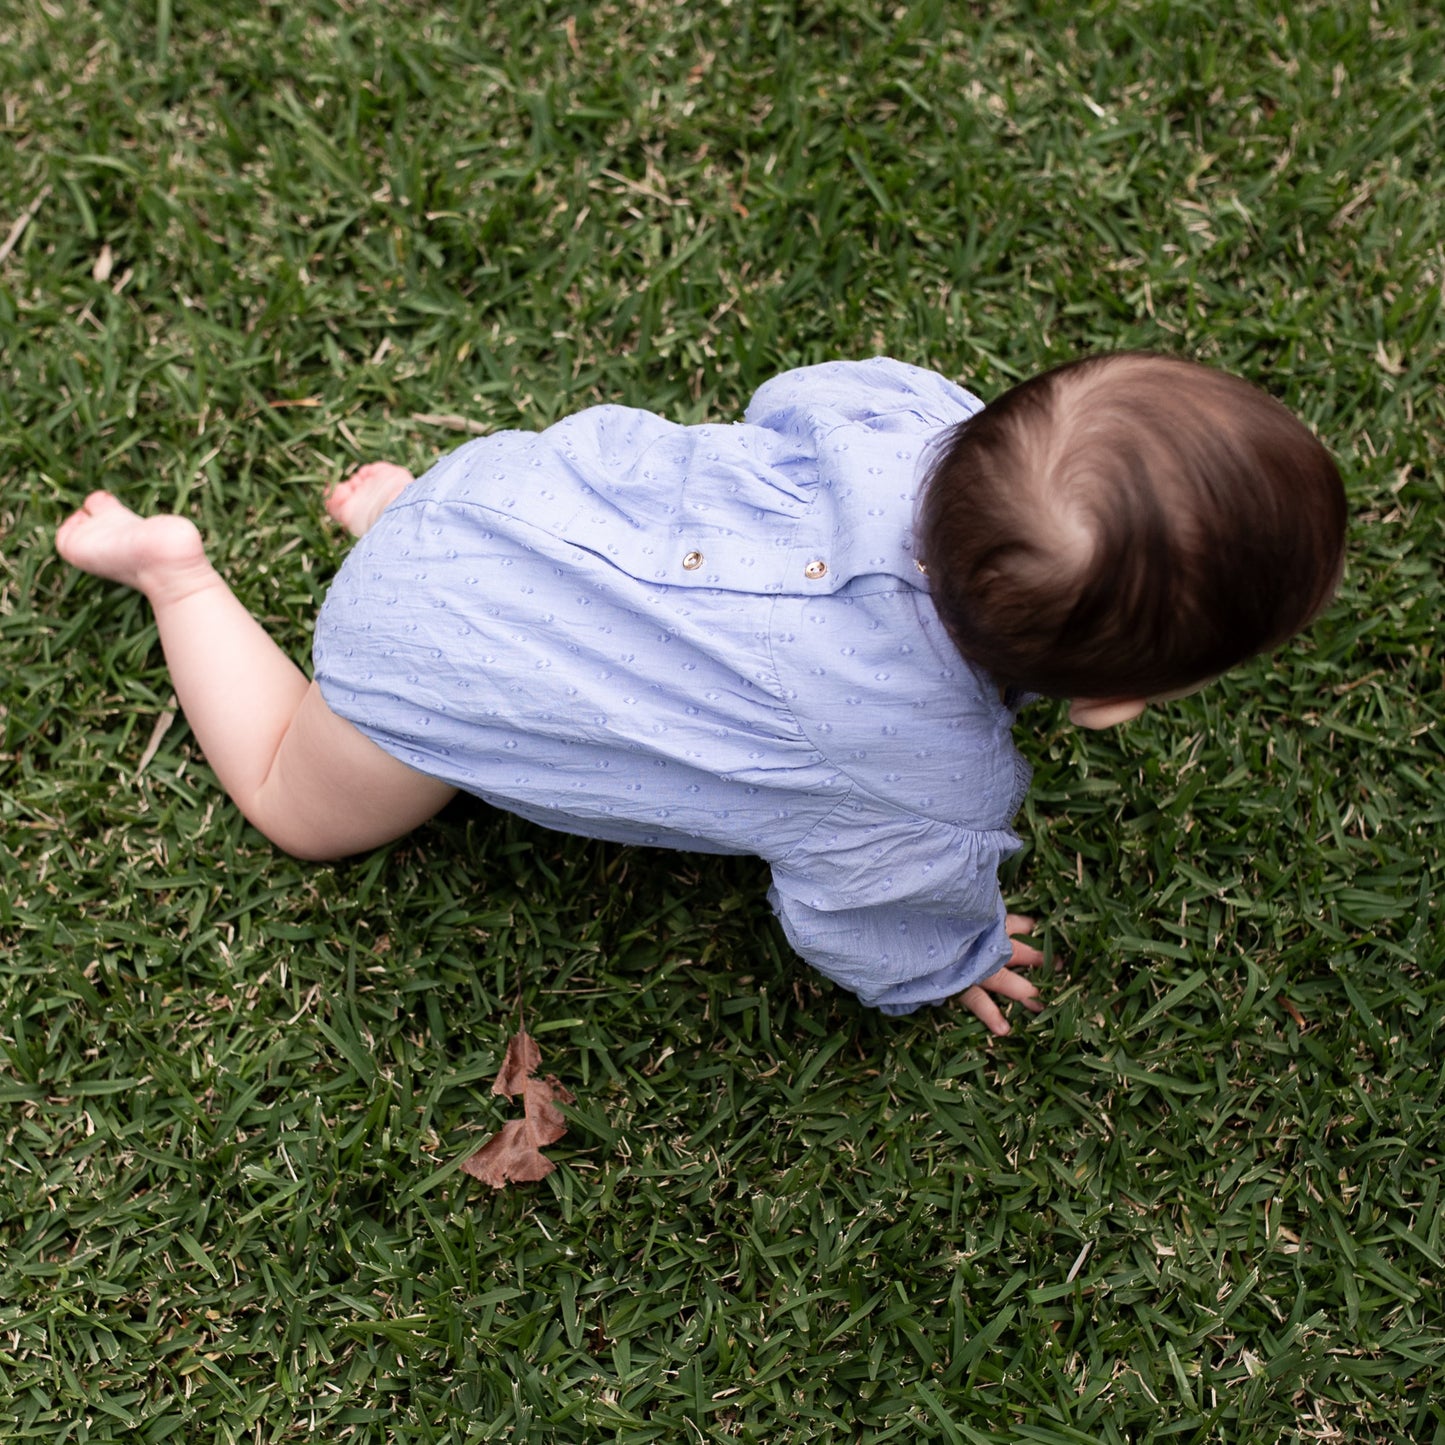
306 778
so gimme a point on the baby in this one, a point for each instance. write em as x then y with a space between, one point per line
804 636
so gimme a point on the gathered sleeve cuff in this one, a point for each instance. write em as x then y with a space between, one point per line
902 916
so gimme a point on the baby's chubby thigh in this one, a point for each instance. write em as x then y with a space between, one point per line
332 792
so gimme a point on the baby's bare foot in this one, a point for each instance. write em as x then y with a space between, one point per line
358 501
108 540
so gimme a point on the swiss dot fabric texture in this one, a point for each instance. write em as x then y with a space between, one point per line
708 637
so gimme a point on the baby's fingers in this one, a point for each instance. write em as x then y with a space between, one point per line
984 1009
1007 985
1024 955
1010 985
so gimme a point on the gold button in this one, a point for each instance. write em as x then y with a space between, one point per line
815 569
692 561
922 566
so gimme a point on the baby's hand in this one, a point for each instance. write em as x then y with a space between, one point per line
1005 983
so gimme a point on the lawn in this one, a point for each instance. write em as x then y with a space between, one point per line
1197 1200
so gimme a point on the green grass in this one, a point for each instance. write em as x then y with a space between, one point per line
1197 1200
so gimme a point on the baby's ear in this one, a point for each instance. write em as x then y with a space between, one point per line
1092 713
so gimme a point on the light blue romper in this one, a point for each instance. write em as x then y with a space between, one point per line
707 637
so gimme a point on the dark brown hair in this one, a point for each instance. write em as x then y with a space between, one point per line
1129 525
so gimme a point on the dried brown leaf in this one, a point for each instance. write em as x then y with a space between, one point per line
544 1119
509 1157
514 1155
521 1060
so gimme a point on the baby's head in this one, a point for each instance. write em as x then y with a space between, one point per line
1129 526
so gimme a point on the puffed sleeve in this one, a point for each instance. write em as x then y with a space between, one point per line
879 392
902 912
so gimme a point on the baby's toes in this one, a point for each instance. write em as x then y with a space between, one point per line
64 533
75 524
369 474
98 503
82 539
337 495
386 478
